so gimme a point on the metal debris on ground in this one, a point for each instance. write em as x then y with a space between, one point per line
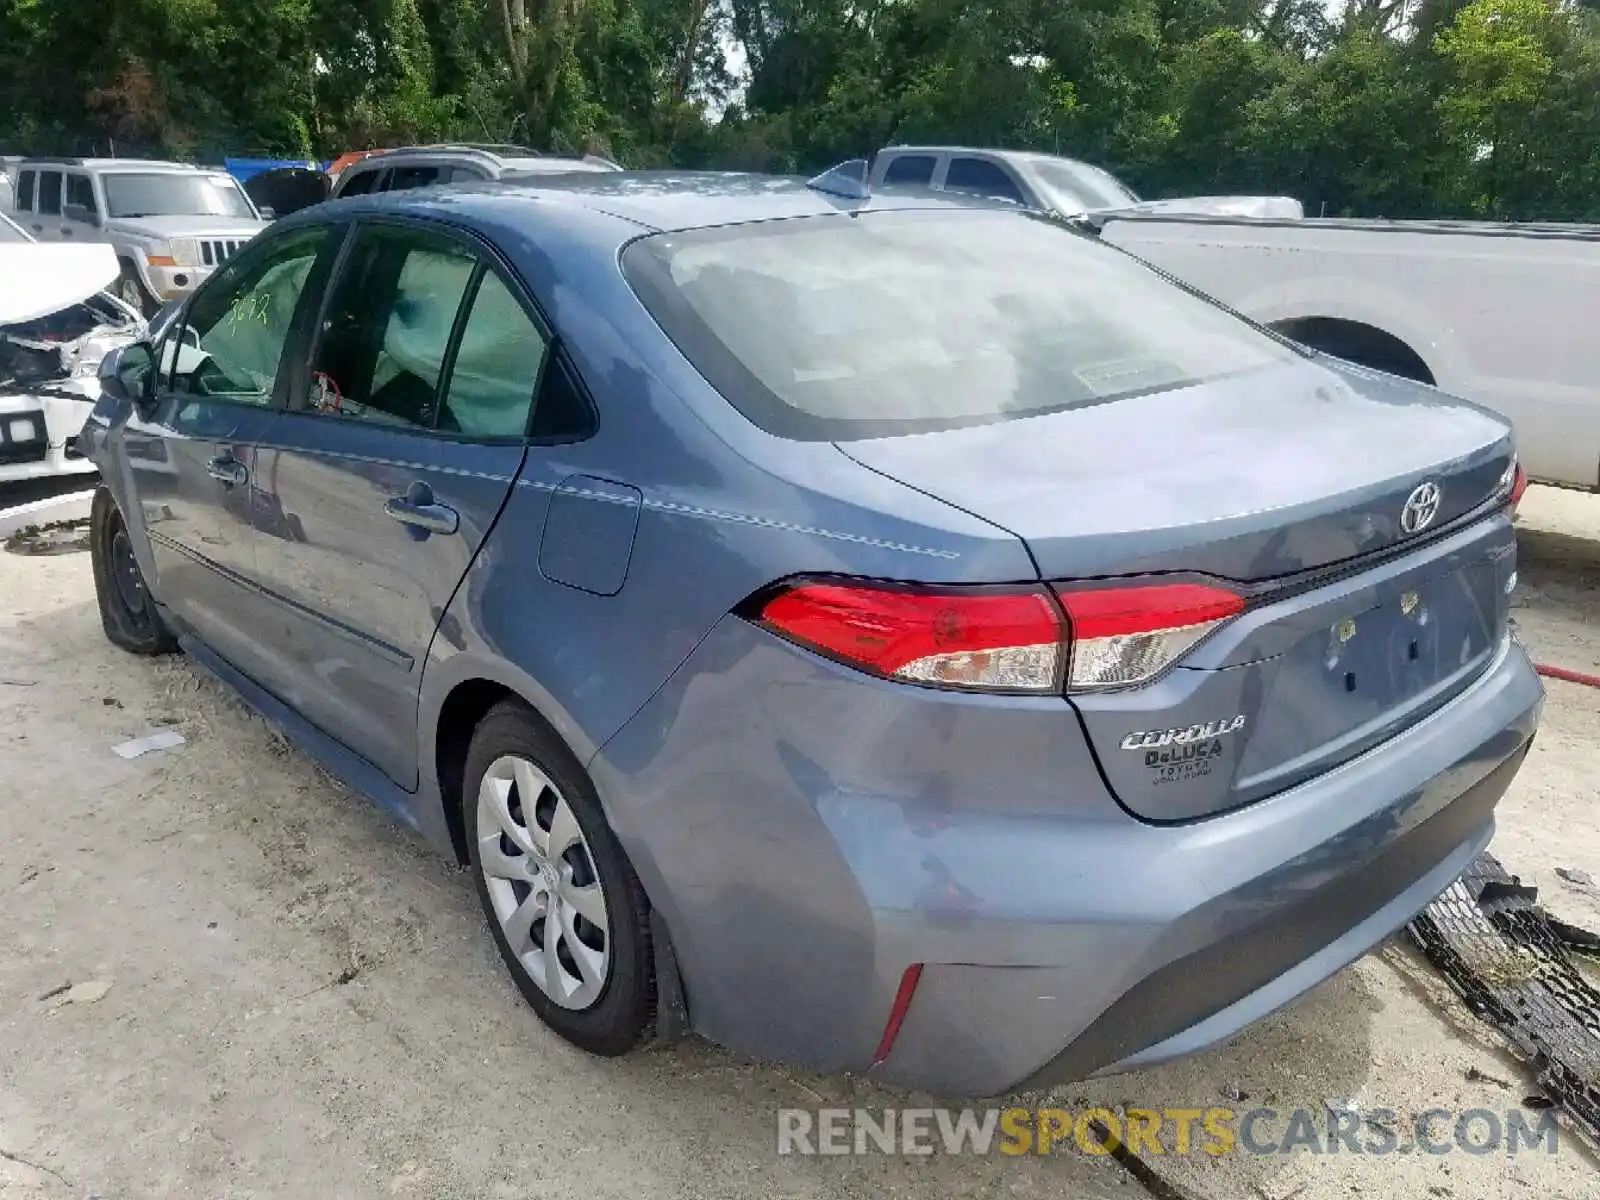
1508 959
166 739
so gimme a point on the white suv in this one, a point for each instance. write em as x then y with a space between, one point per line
171 224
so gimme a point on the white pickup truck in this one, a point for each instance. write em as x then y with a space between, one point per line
1504 315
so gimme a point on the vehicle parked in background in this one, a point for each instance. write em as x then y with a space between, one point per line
1048 182
170 224
1503 315
56 324
895 633
424 166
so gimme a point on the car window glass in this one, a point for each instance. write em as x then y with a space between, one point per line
562 414
50 193
889 323
496 366
388 325
25 191
80 190
980 177
237 327
414 177
360 184
914 169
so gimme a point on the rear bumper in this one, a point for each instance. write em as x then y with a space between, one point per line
829 832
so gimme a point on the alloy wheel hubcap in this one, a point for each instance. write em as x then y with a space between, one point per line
542 882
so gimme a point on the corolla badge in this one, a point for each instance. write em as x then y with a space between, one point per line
1421 507
1145 739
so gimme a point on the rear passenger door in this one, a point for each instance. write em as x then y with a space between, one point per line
405 431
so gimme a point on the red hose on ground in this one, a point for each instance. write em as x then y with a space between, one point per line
1570 676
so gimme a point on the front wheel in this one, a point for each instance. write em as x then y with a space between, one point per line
132 292
128 612
564 906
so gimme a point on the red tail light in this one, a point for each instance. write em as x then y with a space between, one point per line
968 638
1519 485
1012 640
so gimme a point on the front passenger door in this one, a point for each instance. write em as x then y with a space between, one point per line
193 461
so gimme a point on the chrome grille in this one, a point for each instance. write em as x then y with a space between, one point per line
217 251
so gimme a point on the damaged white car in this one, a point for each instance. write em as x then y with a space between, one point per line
56 323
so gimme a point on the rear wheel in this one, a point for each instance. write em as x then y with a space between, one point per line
564 906
127 610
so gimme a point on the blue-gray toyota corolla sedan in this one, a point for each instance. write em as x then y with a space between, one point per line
889 634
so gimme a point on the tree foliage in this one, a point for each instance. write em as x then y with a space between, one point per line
1372 107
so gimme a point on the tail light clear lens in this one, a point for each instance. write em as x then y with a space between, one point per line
1007 640
961 638
1124 636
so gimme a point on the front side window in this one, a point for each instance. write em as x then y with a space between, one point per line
80 191
834 328
50 193
981 177
403 178
388 326
361 183
132 194
232 342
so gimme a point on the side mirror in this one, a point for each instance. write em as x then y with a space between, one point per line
268 213
129 373
80 214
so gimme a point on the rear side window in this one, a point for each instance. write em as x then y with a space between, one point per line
833 328
496 367
25 183
50 193
912 169
981 177
388 325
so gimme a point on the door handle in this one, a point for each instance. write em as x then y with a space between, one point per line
419 510
228 470
65 232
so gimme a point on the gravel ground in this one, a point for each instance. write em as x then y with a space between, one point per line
300 1001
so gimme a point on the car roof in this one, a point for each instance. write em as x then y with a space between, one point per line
654 201
119 164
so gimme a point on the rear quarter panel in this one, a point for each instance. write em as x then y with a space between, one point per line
724 510
1500 319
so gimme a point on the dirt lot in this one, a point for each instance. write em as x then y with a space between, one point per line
302 1001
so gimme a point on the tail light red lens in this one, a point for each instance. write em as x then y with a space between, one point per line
1519 485
1010 640
968 638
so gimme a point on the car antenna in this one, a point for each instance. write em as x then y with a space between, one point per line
848 179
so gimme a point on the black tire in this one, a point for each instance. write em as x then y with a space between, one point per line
624 1013
127 610
131 290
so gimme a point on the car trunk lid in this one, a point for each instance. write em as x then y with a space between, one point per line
1341 504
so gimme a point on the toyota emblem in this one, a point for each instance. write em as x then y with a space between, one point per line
1421 507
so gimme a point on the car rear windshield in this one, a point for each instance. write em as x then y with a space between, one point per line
837 328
